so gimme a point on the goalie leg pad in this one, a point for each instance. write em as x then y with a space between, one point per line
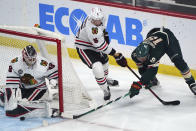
52 90
31 109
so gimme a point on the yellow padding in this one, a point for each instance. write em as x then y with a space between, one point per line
16 43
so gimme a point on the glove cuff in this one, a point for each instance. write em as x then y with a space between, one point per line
113 51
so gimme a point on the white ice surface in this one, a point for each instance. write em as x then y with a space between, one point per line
141 113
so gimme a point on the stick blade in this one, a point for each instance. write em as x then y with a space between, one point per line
177 102
66 115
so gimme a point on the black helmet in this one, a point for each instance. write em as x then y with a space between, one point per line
142 50
29 55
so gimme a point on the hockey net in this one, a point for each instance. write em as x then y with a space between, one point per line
73 97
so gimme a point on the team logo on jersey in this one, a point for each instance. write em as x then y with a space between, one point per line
14 60
44 63
20 71
94 30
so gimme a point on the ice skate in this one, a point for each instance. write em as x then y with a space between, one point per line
107 94
192 86
154 83
112 82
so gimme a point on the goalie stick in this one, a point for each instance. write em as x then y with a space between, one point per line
176 102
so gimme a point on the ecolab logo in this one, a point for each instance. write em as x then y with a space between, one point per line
51 19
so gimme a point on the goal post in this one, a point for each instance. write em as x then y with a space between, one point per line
73 97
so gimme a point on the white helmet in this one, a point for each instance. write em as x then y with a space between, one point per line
96 14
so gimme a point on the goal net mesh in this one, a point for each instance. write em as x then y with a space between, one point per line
75 98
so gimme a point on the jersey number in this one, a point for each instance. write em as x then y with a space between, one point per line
154 39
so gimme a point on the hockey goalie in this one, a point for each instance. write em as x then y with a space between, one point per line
31 79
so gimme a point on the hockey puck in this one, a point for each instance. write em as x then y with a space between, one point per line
22 118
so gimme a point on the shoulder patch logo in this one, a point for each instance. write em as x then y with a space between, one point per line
94 30
14 60
44 63
20 71
153 60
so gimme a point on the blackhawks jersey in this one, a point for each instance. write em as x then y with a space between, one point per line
40 70
159 43
91 37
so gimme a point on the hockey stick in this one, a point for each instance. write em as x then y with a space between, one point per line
99 107
176 102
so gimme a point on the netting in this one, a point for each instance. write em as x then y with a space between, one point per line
53 47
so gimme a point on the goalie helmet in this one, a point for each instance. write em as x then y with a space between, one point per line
29 55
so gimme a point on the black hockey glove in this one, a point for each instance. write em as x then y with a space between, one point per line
106 36
120 59
135 88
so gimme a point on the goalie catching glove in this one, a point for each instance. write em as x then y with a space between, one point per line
28 79
120 59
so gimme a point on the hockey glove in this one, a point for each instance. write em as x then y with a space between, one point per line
135 88
28 79
120 59
106 36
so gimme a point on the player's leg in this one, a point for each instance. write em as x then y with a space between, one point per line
93 60
98 72
52 90
175 54
152 83
105 62
2 99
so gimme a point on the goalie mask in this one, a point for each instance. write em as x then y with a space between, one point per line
97 16
29 55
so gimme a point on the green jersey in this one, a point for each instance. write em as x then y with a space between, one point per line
158 43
